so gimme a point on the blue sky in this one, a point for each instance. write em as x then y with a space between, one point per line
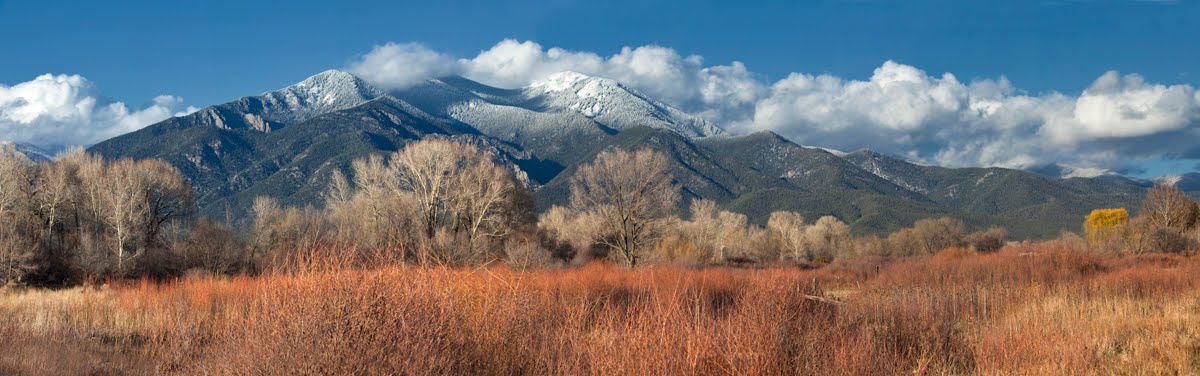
209 52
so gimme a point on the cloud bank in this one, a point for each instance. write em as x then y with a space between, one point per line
900 109
63 110
683 81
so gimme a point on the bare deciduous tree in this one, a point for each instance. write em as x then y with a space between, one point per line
14 179
213 248
58 191
90 170
702 230
789 227
122 198
448 190
426 168
168 197
565 226
631 193
989 240
481 201
266 213
373 209
826 238
871 245
927 236
721 234
16 253
1166 207
16 245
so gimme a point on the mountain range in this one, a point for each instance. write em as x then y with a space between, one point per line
287 143
28 150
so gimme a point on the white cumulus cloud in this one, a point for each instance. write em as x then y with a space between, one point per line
936 118
905 111
396 66
64 109
713 91
512 64
1121 107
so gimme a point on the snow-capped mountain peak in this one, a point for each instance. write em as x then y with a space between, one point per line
563 81
336 82
608 102
324 92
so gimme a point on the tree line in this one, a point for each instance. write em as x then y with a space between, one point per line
440 201
81 217
443 202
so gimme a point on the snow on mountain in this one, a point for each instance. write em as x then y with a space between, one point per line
508 122
836 152
29 151
613 104
1062 171
1187 182
1087 172
1171 179
325 92
500 113
552 115
893 169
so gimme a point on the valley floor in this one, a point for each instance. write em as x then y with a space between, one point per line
1028 310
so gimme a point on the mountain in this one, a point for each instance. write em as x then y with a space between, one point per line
1066 172
1188 182
283 143
555 117
752 186
700 172
286 144
816 182
1016 194
504 115
806 168
323 93
612 104
29 151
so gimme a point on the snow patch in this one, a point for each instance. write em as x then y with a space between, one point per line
1086 172
1171 179
984 177
874 166
561 81
835 152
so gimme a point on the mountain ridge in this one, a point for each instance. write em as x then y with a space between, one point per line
33 152
285 143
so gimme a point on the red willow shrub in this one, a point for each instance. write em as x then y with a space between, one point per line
1029 309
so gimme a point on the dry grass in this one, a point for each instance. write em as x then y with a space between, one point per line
1032 310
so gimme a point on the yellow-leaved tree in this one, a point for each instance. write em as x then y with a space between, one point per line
1102 225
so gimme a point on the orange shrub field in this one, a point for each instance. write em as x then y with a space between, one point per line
1029 309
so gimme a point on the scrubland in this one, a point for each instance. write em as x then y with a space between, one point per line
1028 309
435 260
